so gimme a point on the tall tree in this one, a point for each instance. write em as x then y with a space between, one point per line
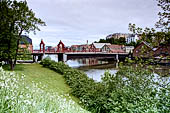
149 34
164 15
16 18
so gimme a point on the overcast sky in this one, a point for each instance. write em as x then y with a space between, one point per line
76 21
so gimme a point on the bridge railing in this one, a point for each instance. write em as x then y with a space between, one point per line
72 51
37 51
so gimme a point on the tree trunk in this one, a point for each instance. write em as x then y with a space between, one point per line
11 65
15 60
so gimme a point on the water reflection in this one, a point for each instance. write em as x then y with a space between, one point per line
53 57
94 68
85 62
96 74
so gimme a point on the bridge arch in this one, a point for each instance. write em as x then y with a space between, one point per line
42 46
60 47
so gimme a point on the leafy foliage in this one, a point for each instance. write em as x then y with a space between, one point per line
121 40
164 15
129 90
16 18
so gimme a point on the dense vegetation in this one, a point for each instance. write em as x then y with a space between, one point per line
120 41
129 90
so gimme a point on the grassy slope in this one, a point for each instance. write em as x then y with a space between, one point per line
38 74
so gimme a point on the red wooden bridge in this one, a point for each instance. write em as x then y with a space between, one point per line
62 49
87 52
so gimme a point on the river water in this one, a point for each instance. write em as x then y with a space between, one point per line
95 68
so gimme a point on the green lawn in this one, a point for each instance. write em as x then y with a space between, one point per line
44 76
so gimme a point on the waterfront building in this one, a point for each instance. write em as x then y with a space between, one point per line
129 49
113 49
96 47
80 48
162 51
25 44
144 50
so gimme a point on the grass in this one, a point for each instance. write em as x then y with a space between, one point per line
52 81
38 74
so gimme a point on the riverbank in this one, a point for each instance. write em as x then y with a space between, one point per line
129 90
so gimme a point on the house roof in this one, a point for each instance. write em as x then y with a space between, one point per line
84 45
100 45
118 51
114 46
114 49
149 45
25 40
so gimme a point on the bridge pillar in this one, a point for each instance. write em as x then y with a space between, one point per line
35 58
64 57
117 57
60 57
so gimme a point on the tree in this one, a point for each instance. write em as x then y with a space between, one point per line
164 15
7 35
16 18
149 34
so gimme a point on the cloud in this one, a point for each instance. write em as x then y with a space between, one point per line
75 21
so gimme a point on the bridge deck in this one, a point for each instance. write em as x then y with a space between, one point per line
95 53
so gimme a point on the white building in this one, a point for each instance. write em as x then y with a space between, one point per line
132 38
129 49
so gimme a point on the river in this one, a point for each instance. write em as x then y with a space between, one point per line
95 68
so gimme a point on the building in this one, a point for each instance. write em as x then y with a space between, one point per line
25 44
96 47
117 35
50 49
129 49
80 48
162 51
113 49
144 50
132 38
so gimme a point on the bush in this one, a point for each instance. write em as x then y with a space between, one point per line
59 67
129 90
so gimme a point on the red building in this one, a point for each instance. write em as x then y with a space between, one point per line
25 44
113 49
145 50
162 51
80 48
97 47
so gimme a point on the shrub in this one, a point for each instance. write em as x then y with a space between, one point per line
59 67
129 90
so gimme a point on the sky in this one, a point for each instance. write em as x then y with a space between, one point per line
76 21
